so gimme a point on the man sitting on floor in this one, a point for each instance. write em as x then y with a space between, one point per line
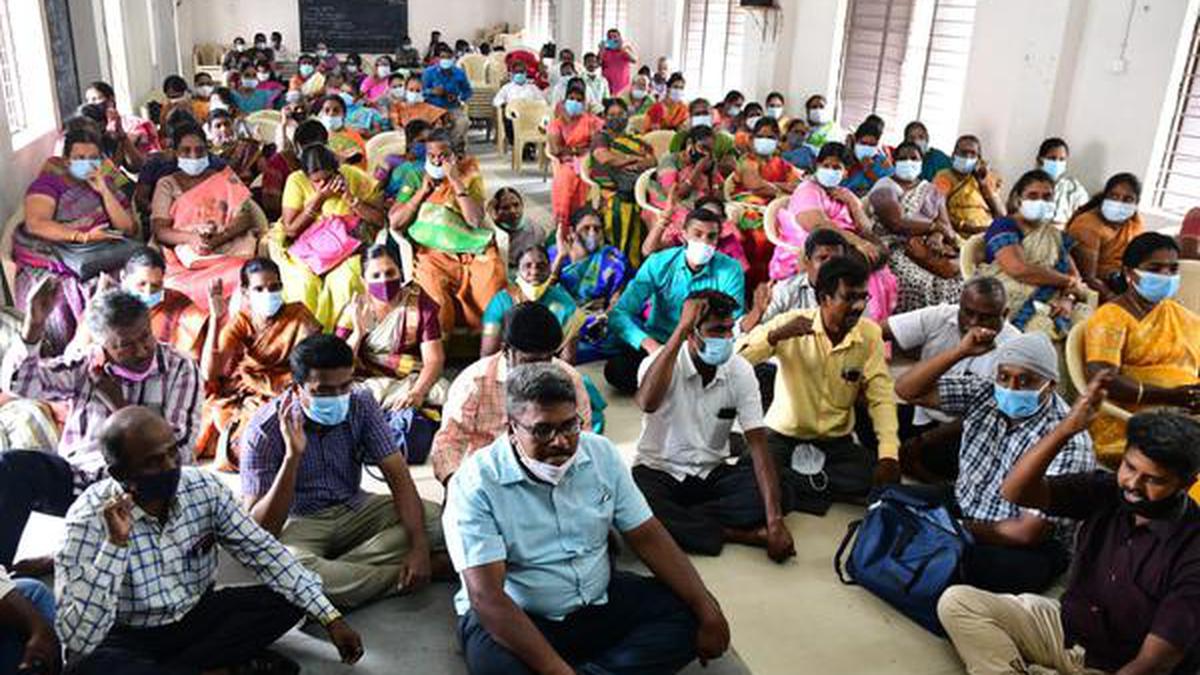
1131 604
125 366
528 521
302 458
474 414
930 443
663 281
798 292
828 357
1016 550
135 575
691 391
27 640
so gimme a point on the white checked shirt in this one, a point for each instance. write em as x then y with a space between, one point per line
689 433
165 568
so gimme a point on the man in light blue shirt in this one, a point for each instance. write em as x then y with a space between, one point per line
527 521
446 86
664 281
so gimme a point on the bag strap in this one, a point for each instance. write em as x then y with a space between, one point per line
842 573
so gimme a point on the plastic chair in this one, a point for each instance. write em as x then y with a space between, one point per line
528 119
6 255
585 175
495 69
970 255
660 140
1077 369
641 193
1189 287
727 188
771 223
637 123
501 137
263 124
382 145
476 67
480 109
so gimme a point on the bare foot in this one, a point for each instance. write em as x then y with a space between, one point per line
755 537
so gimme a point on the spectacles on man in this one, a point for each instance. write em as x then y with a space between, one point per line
544 432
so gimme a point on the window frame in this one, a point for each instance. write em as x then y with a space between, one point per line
732 49
1186 91
596 21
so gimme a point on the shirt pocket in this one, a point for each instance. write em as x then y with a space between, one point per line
844 378
721 427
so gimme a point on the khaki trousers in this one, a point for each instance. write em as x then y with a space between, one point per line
359 553
1005 634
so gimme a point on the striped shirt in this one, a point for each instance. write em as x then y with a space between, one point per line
166 567
173 390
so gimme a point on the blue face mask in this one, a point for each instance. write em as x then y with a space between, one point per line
765 146
829 177
418 152
612 44
1017 403
328 411
446 64
863 152
435 171
1054 167
82 168
908 169
715 350
964 164
520 78
150 300
573 108
1157 287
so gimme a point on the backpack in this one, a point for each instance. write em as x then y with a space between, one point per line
908 549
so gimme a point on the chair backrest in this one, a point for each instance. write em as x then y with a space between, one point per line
637 124
206 54
660 140
1189 287
641 191
1073 354
6 254
495 69
970 255
771 222
382 145
476 67
263 124
528 115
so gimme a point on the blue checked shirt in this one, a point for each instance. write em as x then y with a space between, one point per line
165 568
992 444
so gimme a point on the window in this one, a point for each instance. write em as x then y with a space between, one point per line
1177 187
541 16
713 41
10 82
905 60
600 17
25 80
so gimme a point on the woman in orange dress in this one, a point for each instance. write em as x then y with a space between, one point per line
570 137
671 112
1101 229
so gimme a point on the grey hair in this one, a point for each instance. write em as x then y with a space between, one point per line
116 308
540 384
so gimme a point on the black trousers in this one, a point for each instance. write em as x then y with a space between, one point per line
929 452
226 628
696 510
621 371
846 476
643 629
30 480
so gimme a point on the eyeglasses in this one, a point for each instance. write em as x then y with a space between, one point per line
544 433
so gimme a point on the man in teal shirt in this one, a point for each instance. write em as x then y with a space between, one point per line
664 281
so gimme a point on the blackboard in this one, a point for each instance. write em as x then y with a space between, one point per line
371 26
62 46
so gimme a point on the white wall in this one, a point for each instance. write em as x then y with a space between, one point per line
810 50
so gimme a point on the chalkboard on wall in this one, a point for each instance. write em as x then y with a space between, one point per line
66 78
353 25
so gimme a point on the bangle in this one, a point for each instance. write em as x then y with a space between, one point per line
1141 391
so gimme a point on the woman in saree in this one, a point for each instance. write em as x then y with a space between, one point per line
671 112
394 330
742 126
870 161
342 207
638 99
246 94
570 137
618 158
534 283
242 154
1148 342
375 86
134 134
308 80
291 138
506 209
1030 257
204 219
822 202
247 364
762 175
1101 229
594 272
1069 192
73 200
911 220
970 189
345 142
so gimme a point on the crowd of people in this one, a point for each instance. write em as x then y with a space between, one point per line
293 312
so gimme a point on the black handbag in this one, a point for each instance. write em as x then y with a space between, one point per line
84 260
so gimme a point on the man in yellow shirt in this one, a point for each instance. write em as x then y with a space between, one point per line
828 357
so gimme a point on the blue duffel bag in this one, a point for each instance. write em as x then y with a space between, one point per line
908 549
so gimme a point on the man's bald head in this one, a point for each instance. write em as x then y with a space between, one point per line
133 435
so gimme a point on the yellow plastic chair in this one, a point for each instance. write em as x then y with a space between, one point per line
380 146
660 140
475 66
637 123
585 174
1077 370
495 69
641 193
771 223
1189 287
970 255
6 255
529 121
263 125
501 138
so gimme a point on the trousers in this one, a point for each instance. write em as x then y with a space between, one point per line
696 510
30 480
12 643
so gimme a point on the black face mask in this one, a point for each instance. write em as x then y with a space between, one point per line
155 487
1155 510
616 124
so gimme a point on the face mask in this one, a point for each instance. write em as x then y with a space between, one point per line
816 116
765 146
158 487
1157 287
347 98
1054 167
1157 509
204 91
533 291
733 110
699 253
809 461
829 177
1037 210
863 152
908 169
701 121
676 94
333 122
264 75
383 71
573 108
590 242
238 47
351 68
520 78
249 82
637 94
446 64
612 44
397 93
435 171
616 124
322 53
544 471
1117 212
293 97
217 104
260 45
715 350
418 152
385 291
82 168
775 112
568 74
1017 403
964 164
120 371
306 70
150 300
328 411
923 145
413 97
193 166
752 122
266 304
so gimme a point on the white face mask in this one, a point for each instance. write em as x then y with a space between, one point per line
1037 210
699 253
550 473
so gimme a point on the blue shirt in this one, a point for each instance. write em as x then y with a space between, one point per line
552 539
665 280
453 80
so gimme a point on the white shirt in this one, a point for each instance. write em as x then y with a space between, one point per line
935 330
689 433
512 91
597 90
6 584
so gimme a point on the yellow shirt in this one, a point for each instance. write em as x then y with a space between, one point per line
299 189
818 384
